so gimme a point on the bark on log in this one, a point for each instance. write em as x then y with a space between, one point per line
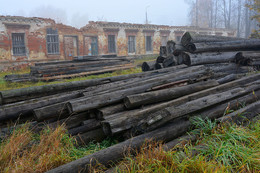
192 37
170 47
171 85
72 70
167 114
160 59
151 65
115 153
71 121
58 110
229 78
132 118
86 126
87 103
137 100
96 135
133 82
169 61
10 96
222 109
163 51
243 114
163 115
211 58
229 68
240 45
108 70
179 49
109 110
14 110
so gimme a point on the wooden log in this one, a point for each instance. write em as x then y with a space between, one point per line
96 135
10 96
108 70
134 117
78 69
137 100
229 78
77 64
58 110
214 113
243 114
160 59
14 110
109 110
169 61
229 68
86 126
87 103
146 79
115 153
170 47
163 51
240 45
179 49
163 115
150 65
223 108
192 37
167 114
170 85
210 58
71 121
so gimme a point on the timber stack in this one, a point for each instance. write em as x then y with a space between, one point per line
154 105
217 51
79 66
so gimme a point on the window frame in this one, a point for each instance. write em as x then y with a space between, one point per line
52 41
111 48
150 44
16 46
131 44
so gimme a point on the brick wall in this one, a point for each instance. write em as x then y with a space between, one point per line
93 38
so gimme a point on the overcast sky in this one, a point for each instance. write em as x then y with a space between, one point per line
79 12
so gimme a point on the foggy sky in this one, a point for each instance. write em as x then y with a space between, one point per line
79 12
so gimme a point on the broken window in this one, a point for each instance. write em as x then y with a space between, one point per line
131 44
111 44
148 43
18 44
53 41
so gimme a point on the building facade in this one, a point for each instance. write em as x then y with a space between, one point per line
24 41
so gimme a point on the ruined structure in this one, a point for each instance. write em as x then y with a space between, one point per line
24 41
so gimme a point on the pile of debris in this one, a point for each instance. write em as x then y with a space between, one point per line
195 49
154 104
79 66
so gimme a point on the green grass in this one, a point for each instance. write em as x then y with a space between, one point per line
219 148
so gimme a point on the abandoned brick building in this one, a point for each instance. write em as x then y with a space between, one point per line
24 41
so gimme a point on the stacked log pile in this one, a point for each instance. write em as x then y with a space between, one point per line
154 105
195 49
79 66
